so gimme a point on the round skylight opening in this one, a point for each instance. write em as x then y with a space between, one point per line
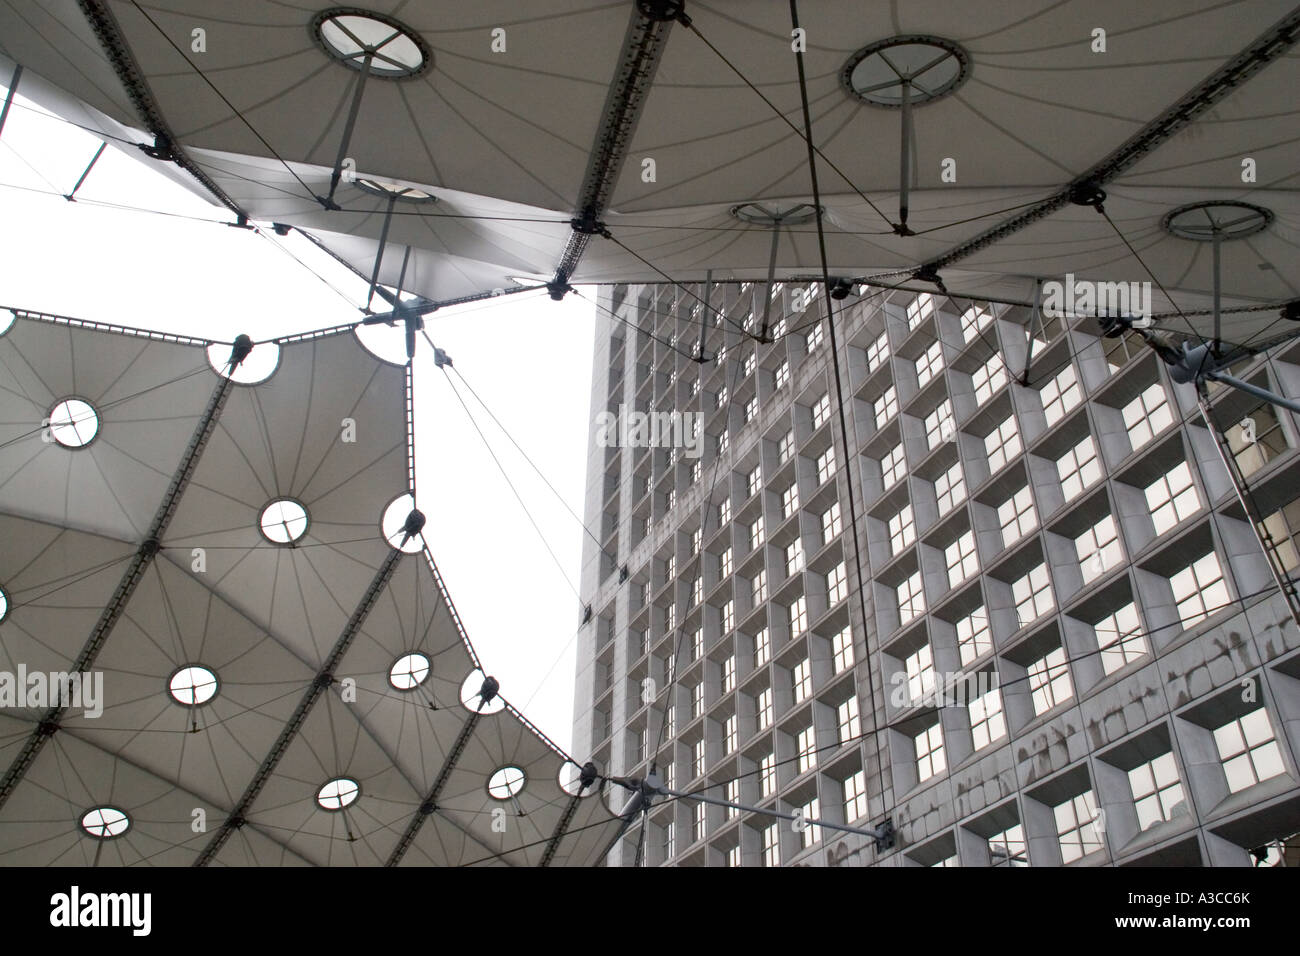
284 521
393 525
506 783
471 698
7 320
4 604
931 68
193 685
337 794
350 35
104 823
257 366
775 214
73 423
1229 219
409 671
390 190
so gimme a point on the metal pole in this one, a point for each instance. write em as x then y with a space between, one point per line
383 241
93 160
874 832
1284 586
1037 313
1265 394
905 160
1218 237
771 276
9 97
348 127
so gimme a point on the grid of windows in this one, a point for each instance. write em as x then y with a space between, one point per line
1078 468
821 411
886 406
929 753
831 522
1060 395
1032 594
920 673
929 364
1049 681
950 489
767 775
785 447
1076 827
911 598
1098 549
973 635
1120 639
801 677
987 722
1002 444
825 465
1248 750
807 742
1199 590
765 708
1016 516
988 379
902 530
1147 416
849 720
961 559
837 585
1172 497
855 796
1157 791
842 650
1008 847
919 309
794 557
877 352
939 426
973 321
798 616
790 500
893 466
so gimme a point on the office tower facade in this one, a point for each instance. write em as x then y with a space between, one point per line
1061 641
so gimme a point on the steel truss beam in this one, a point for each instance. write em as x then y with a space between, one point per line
430 804
324 678
643 47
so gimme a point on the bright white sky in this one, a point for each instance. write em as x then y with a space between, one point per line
527 357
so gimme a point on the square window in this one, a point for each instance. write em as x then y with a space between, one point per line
961 559
759 586
973 321
756 533
754 481
939 425
919 309
849 720
885 407
902 530
911 599
842 650
950 489
1033 595
988 379
1008 848
762 647
1119 638
1157 791
790 500
1147 416
920 674
929 364
929 753
1078 469
1076 827
877 352
1060 395
1049 681
837 585
831 522
785 447
794 557
1098 549
807 755
893 466
1172 498
825 465
765 709
802 679
855 796
987 722
798 616
821 411
1199 590
974 637
1002 444
1017 517
782 375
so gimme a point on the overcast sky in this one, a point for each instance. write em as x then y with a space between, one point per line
527 357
